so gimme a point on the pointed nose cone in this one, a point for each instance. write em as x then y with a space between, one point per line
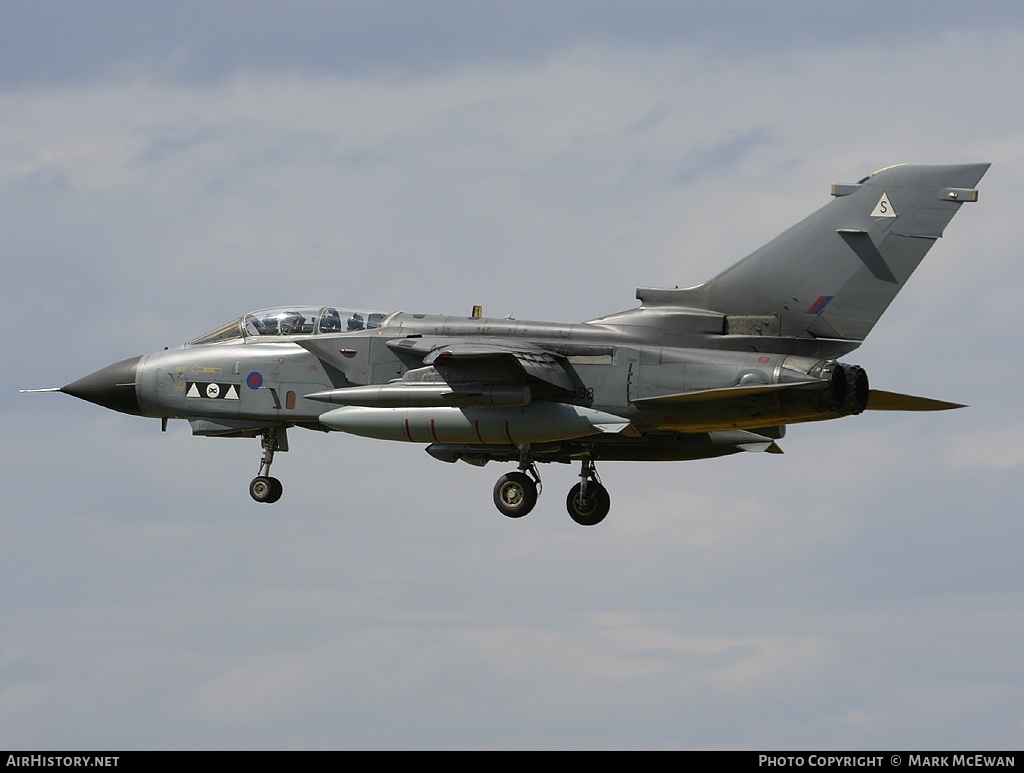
112 387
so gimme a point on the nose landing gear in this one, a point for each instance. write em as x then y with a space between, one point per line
264 488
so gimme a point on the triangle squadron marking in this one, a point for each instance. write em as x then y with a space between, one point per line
883 208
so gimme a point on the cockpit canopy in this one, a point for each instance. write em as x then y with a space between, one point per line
292 321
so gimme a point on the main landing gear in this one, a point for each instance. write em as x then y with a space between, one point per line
515 493
588 501
264 488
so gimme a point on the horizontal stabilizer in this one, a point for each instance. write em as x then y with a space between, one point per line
893 401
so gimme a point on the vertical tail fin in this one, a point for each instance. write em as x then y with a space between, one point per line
833 274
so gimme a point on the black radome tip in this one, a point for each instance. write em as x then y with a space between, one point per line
112 387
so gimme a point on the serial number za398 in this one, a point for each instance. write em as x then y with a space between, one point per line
582 393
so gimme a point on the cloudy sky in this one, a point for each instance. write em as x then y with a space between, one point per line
166 167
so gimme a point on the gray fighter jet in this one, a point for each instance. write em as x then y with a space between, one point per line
691 373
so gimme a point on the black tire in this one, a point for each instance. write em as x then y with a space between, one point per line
262 489
276 489
593 509
515 494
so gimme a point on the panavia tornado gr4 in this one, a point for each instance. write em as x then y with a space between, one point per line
691 373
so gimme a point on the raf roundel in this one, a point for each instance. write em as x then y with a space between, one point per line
254 380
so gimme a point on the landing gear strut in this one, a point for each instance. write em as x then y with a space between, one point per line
588 501
264 488
516 493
